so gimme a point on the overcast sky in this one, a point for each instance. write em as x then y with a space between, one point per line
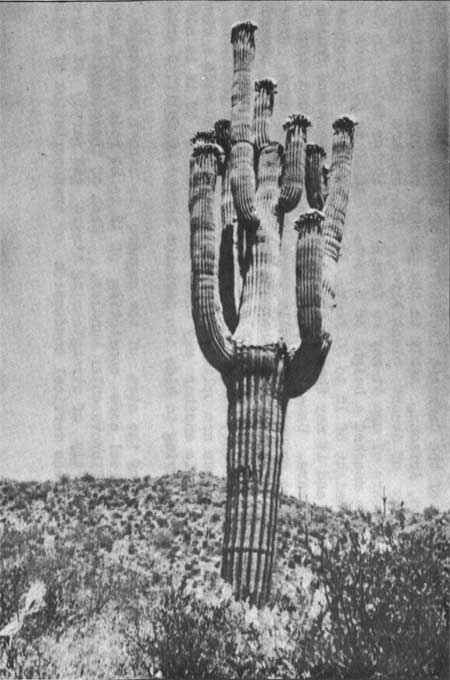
100 367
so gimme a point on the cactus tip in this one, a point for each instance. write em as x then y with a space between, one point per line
308 220
205 143
205 148
315 148
296 119
268 85
243 28
345 123
204 136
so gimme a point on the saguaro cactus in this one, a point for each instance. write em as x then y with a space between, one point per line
235 299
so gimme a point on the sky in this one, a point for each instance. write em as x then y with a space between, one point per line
100 368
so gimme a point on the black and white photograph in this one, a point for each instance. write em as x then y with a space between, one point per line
224 314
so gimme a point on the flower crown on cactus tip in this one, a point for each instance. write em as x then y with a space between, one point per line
308 220
243 29
316 148
204 137
205 143
268 85
296 120
345 124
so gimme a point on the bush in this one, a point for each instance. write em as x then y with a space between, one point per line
384 591
199 633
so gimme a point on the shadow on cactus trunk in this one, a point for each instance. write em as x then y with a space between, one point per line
235 300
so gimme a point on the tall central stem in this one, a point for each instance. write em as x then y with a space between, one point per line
256 414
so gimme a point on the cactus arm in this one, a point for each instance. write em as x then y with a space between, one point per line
307 361
335 210
243 41
242 161
294 162
305 366
318 250
212 332
315 176
263 109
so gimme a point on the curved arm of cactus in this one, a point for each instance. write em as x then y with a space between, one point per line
335 209
213 335
294 161
307 362
318 250
242 161
263 109
305 365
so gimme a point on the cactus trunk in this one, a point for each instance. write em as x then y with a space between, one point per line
235 300
256 413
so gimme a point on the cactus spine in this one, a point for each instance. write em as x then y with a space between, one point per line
234 300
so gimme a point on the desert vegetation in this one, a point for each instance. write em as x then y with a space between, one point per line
120 578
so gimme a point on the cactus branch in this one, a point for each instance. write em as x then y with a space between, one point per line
339 185
242 159
243 40
212 333
305 366
336 207
309 358
294 161
263 109
309 275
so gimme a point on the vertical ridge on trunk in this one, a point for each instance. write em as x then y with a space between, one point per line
256 414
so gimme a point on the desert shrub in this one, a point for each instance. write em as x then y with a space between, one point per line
87 478
162 539
198 632
384 592
95 650
430 512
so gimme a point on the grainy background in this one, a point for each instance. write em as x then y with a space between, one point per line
100 369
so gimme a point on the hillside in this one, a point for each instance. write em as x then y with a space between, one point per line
107 547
